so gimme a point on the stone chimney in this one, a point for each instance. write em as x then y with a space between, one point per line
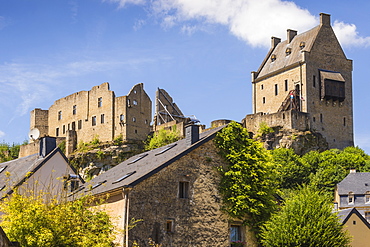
191 134
47 144
290 34
324 19
274 42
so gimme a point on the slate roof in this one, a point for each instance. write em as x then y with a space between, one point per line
345 214
19 169
282 60
358 183
137 168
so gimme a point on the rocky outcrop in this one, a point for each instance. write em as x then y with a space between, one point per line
97 160
300 141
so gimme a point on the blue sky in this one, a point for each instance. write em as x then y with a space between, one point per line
200 51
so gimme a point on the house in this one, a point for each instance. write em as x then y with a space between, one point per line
46 171
354 192
174 191
85 115
305 83
357 226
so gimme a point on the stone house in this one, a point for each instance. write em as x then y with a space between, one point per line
84 115
356 225
174 190
305 83
46 171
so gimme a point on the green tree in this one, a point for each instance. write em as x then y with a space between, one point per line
35 221
246 185
292 171
306 219
9 151
162 138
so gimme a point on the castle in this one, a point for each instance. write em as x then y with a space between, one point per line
305 83
97 113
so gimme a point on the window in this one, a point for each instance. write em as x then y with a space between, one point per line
276 89
133 119
57 132
288 51
124 177
146 121
263 100
100 102
134 102
302 45
93 120
121 118
286 85
170 225
351 198
354 222
367 216
344 121
321 117
102 118
273 57
314 119
367 197
64 129
68 127
235 236
79 124
314 81
74 110
183 189
262 87
73 125
59 115
71 185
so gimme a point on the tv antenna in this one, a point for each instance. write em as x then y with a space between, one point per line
34 134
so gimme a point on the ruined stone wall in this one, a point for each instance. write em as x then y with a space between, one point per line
39 120
138 113
197 220
97 113
286 120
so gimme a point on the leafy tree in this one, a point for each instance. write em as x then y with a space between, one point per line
9 151
35 221
292 171
306 219
162 138
246 185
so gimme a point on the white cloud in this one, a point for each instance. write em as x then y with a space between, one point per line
253 21
122 3
2 134
348 35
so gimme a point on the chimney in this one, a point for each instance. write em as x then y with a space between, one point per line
352 170
324 19
47 144
191 134
291 34
274 42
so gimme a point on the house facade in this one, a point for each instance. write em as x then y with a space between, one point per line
174 191
357 226
47 171
305 83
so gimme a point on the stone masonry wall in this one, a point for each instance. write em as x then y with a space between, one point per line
198 220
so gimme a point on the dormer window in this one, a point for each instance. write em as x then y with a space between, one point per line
367 197
273 57
288 51
351 198
302 45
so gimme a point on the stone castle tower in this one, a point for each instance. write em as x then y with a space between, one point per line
305 83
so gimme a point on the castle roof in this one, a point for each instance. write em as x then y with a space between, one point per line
286 54
142 166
